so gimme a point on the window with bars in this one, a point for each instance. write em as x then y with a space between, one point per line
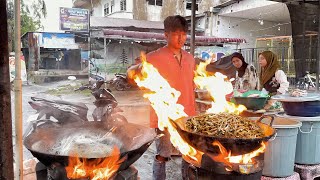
207 22
106 9
155 2
112 6
188 5
123 5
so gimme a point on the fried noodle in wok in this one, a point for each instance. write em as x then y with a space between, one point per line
85 145
224 125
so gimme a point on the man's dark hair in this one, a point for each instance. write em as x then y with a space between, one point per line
174 23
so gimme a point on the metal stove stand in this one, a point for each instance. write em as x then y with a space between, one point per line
131 173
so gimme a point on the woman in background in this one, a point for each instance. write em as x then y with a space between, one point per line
272 78
246 75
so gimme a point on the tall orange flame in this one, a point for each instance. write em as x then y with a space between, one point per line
97 169
218 86
163 99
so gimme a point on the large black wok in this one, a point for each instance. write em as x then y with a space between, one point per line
132 139
237 146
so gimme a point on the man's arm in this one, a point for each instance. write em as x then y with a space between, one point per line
132 72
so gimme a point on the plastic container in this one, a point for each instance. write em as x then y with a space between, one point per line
308 142
252 103
279 156
307 106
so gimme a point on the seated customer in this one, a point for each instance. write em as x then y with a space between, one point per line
246 75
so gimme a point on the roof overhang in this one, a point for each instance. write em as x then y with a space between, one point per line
150 36
298 1
226 3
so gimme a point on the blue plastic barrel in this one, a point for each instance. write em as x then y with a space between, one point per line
308 143
279 156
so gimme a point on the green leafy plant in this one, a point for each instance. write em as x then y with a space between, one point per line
30 18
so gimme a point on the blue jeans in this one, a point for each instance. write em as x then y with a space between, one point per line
164 150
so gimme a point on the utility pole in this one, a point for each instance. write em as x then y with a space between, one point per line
6 150
211 21
193 26
318 59
18 94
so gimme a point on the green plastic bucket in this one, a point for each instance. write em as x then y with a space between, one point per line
280 151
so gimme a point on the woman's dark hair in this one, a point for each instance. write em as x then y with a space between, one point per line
174 23
242 69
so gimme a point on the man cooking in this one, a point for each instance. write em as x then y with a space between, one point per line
177 67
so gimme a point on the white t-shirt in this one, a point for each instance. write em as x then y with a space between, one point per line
281 78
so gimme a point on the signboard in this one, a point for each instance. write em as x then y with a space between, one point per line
74 19
58 40
213 53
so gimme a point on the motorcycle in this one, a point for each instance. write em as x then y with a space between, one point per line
94 78
106 104
64 112
307 81
119 82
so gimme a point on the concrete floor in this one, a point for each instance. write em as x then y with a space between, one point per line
135 108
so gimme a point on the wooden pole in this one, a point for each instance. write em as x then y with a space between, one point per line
18 94
6 150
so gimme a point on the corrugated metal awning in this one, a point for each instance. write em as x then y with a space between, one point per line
160 36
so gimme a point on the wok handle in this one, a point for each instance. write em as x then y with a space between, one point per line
266 117
174 124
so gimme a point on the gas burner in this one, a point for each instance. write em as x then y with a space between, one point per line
57 172
195 173
198 173
211 169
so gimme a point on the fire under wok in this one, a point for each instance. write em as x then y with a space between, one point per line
132 140
237 146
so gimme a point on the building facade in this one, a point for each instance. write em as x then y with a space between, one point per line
50 23
151 10
247 19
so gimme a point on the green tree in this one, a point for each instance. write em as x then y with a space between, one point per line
123 57
30 18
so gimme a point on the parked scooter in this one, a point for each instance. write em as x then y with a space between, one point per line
106 104
64 112
119 82
307 81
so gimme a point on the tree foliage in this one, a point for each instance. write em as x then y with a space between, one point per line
30 18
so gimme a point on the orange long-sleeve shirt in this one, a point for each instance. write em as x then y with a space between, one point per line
179 76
